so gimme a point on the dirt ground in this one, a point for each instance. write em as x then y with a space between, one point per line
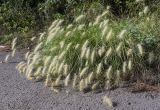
18 93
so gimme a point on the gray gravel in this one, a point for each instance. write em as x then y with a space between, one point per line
17 93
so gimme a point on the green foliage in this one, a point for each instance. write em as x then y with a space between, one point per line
21 16
15 19
5 38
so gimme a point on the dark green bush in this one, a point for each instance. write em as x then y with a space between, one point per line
15 19
22 16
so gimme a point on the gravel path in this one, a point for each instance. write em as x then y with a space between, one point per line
17 93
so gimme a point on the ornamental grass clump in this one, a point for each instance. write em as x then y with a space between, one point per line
13 48
97 55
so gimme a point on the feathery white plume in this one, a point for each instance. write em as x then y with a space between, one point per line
129 52
83 52
140 14
107 101
88 53
105 22
62 44
122 34
81 85
109 73
83 72
93 55
27 55
139 0
97 20
13 52
151 57
67 80
68 33
129 64
80 27
57 82
75 81
66 69
61 56
7 57
90 24
69 26
85 44
101 51
95 85
42 36
45 69
79 18
60 67
77 46
109 51
109 35
108 7
59 23
69 46
119 47
14 43
146 10
104 13
124 67
38 71
37 47
140 48
118 75
91 77
104 31
48 80
53 25
33 38
99 68
47 60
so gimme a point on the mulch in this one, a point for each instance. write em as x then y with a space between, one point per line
143 87
5 48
